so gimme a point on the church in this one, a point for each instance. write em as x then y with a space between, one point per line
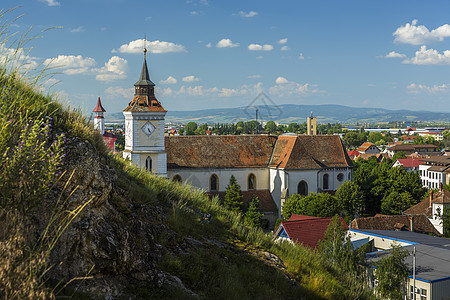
267 166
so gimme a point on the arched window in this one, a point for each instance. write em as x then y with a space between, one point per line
148 164
251 182
302 188
325 181
213 183
176 178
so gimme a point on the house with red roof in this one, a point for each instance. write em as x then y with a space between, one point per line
409 164
353 154
305 230
109 138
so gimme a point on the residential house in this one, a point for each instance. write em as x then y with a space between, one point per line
435 171
368 148
409 164
409 139
432 266
432 207
408 149
353 154
438 136
304 230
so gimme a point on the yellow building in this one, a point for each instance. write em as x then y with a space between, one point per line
312 125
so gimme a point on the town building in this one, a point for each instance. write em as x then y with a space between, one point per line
368 148
409 164
311 124
99 124
408 149
267 165
435 171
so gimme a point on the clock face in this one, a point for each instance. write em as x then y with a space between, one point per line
148 128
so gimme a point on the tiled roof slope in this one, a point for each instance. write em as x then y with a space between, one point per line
144 103
410 162
266 203
424 207
308 231
310 152
411 147
365 146
421 224
219 151
295 217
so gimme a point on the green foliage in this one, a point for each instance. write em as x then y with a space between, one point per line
190 128
374 137
425 140
398 155
446 221
349 198
317 205
233 197
395 203
271 127
353 139
392 272
253 217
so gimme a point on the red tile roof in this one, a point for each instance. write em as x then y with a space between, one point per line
309 152
411 147
219 151
144 103
308 231
353 152
295 217
99 107
410 162
266 203
365 146
421 223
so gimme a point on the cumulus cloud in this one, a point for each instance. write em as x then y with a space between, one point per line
285 48
283 41
17 59
78 29
51 2
257 47
300 56
281 80
190 78
169 80
208 45
394 54
226 43
255 76
424 89
157 46
71 64
115 68
113 91
250 14
412 34
426 56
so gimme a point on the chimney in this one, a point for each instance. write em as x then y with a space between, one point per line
411 224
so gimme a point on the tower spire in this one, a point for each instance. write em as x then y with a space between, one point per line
144 80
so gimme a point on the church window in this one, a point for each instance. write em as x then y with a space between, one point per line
340 177
252 182
213 183
325 182
302 188
176 178
148 164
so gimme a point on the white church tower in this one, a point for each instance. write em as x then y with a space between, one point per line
144 127
99 120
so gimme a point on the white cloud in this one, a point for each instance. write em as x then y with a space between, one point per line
167 92
250 14
429 57
281 80
257 47
17 59
113 91
300 56
169 80
78 29
194 13
285 48
51 2
157 46
115 68
226 43
190 78
283 41
255 76
71 64
394 54
208 45
423 89
412 34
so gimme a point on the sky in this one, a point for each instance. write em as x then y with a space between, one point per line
223 54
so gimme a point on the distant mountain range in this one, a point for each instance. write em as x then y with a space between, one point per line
288 113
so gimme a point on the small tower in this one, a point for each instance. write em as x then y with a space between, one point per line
144 126
99 121
311 125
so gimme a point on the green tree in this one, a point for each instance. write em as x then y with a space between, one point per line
446 222
253 217
349 198
293 127
271 127
190 128
392 272
317 205
374 137
398 155
233 197
395 203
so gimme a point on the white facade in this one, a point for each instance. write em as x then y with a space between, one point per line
431 179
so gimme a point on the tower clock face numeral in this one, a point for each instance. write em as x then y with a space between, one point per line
148 128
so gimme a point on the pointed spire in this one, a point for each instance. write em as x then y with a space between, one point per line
99 107
145 77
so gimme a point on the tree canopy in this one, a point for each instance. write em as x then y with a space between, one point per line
233 196
317 205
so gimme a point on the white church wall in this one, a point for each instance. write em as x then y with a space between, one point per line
296 176
200 177
277 180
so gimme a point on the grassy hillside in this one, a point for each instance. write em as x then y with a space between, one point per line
80 222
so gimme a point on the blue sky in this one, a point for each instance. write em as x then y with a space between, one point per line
213 54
